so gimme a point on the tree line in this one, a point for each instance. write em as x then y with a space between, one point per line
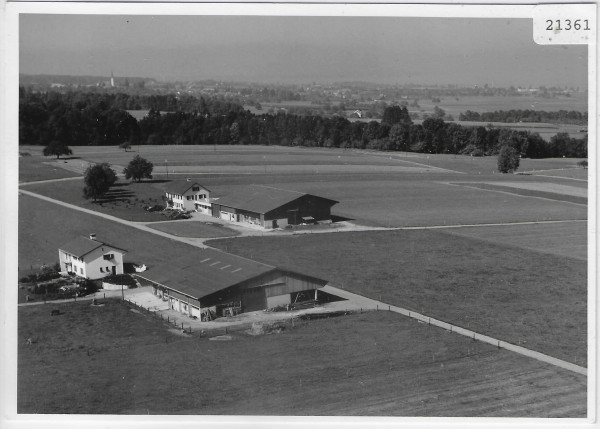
527 115
98 119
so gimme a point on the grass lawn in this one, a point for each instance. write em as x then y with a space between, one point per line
522 296
196 229
125 199
33 168
560 239
575 195
569 173
111 360
44 226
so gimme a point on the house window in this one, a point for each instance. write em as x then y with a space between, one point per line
196 188
101 269
108 257
81 270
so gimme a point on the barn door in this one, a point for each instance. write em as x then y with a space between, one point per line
254 300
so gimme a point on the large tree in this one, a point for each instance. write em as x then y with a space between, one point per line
138 169
508 159
396 115
98 179
58 148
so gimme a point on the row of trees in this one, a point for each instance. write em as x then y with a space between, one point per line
560 117
73 119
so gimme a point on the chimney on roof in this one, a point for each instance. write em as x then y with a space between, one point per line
189 179
92 236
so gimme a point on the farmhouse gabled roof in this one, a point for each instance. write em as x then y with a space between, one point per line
181 186
261 199
81 246
205 271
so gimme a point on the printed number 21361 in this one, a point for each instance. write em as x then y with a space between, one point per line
567 25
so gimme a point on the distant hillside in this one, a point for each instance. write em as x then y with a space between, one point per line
48 79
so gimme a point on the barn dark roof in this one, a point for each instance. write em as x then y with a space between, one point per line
205 271
180 186
260 199
81 246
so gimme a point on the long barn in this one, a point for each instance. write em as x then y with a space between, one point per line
270 207
209 283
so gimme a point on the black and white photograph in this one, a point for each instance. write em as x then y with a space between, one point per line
250 213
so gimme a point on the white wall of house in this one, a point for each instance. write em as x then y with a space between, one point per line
187 200
93 265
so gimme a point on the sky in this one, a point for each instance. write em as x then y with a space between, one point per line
290 50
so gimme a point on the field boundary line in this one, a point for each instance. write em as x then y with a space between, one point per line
482 225
62 179
413 162
515 194
554 177
379 305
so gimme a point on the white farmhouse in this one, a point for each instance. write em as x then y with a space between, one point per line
90 258
188 195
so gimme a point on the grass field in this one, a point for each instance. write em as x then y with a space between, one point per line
408 201
508 292
377 199
125 199
33 168
561 239
548 191
111 360
567 173
195 229
43 227
519 295
452 106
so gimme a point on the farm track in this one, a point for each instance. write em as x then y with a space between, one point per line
374 304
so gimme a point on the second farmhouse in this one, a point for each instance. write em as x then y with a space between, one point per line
253 205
